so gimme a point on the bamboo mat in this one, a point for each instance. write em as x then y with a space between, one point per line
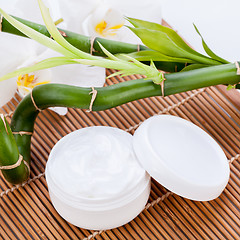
27 213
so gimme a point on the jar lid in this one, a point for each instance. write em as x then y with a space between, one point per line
182 157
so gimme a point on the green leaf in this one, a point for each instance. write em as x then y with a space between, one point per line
173 40
105 63
161 42
48 63
107 53
193 67
57 35
42 39
208 50
149 55
168 31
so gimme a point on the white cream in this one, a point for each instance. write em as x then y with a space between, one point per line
96 163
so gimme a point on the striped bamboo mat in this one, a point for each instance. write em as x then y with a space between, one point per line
27 213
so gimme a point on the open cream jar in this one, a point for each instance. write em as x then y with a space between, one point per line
95 180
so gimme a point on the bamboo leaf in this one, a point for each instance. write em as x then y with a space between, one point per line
136 62
163 44
42 39
137 23
169 42
148 55
107 53
105 63
48 63
193 67
166 46
208 50
115 74
56 34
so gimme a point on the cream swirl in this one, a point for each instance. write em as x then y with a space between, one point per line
96 162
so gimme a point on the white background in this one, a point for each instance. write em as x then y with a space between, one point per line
217 20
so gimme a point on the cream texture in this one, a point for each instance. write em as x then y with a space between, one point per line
96 163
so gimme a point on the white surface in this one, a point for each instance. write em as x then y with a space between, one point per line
95 180
217 20
182 157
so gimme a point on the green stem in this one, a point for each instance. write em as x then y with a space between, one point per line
50 95
9 155
84 43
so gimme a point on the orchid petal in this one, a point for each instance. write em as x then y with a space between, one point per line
74 74
7 90
48 63
59 110
12 55
70 12
80 75
42 39
105 22
145 10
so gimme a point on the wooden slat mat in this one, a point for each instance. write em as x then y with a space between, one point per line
27 213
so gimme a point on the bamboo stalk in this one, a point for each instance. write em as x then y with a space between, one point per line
62 95
85 43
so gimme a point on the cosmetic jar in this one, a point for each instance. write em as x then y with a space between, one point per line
99 177
95 180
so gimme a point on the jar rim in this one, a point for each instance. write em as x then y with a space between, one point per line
97 203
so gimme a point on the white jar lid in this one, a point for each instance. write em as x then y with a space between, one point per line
182 157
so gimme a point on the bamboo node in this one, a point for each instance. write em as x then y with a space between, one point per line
1 19
175 68
238 68
94 95
34 104
15 165
162 83
138 48
92 40
62 33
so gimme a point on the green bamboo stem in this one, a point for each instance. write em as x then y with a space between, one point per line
51 95
84 43
10 154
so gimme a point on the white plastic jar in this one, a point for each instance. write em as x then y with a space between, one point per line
95 180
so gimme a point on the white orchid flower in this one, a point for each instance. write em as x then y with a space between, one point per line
16 54
105 22
12 55
95 18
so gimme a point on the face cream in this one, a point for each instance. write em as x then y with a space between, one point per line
95 180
